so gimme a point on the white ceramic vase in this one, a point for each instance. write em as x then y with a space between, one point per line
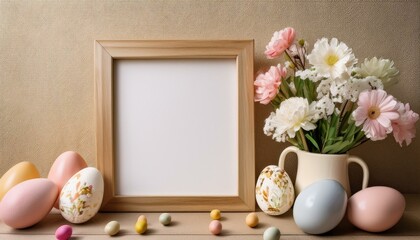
315 166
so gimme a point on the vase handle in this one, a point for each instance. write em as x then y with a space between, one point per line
364 168
284 153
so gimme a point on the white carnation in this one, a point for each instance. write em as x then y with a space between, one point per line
381 68
292 115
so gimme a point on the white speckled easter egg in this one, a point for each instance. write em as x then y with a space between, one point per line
82 195
274 191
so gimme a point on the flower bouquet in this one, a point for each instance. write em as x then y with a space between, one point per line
324 102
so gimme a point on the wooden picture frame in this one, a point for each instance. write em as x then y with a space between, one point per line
107 53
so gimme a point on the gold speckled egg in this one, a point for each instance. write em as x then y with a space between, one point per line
274 191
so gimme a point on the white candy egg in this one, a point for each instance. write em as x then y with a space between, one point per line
274 191
81 197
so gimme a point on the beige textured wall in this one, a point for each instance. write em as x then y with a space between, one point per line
46 66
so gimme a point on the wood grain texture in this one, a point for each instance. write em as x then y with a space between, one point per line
242 51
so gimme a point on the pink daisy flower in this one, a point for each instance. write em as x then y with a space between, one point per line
280 41
404 128
375 111
267 84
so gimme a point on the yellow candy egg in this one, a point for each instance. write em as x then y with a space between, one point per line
252 220
215 214
142 218
140 227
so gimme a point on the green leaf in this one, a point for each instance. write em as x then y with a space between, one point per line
285 89
336 147
298 85
314 143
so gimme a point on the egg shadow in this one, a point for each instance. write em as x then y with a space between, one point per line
223 219
150 231
121 233
173 224
261 225
224 233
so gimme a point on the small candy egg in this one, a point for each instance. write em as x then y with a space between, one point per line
252 220
142 218
215 227
271 233
215 214
64 232
112 228
165 219
140 227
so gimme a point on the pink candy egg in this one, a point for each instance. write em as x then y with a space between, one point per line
64 232
64 167
215 227
28 202
375 209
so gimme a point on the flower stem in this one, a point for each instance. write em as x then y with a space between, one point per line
302 136
343 108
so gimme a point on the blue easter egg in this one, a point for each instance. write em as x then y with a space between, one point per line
320 207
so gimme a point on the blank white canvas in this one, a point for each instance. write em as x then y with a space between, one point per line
176 127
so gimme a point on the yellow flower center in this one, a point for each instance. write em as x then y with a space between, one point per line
332 59
374 112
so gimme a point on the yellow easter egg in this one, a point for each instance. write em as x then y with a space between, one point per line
140 227
18 173
215 214
142 218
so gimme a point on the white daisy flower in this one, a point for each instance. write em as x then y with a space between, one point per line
381 68
292 115
333 59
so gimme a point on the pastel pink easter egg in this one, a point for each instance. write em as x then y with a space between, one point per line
375 209
215 227
64 167
63 232
28 202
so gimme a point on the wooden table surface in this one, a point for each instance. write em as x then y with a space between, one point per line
190 226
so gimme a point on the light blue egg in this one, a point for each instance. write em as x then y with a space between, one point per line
320 207
165 219
271 233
